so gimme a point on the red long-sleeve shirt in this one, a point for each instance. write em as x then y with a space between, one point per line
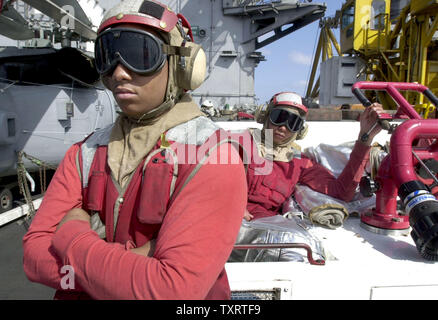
192 247
267 193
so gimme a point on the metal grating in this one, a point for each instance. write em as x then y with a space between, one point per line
256 294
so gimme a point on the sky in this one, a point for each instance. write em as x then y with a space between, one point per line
289 60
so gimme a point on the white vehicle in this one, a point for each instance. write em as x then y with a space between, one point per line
356 260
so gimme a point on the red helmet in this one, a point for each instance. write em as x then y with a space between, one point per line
189 62
145 12
291 99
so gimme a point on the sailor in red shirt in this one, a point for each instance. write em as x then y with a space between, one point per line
276 163
142 209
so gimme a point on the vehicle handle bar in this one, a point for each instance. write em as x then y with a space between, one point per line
318 262
393 90
384 124
361 97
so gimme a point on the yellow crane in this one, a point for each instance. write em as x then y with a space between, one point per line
324 51
402 49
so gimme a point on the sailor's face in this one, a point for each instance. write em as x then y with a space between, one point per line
281 134
137 94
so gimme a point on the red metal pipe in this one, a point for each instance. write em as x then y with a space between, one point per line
393 89
378 85
404 105
398 167
386 196
385 215
401 147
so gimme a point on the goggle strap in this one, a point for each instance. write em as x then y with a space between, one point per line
179 51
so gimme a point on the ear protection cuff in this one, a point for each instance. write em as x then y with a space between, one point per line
303 132
191 70
261 113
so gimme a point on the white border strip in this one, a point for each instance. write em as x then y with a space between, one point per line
18 212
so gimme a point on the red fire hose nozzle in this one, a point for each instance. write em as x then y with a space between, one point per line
399 175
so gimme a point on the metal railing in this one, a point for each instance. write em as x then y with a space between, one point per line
280 246
244 3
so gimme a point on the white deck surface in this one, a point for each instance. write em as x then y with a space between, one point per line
329 132
367 266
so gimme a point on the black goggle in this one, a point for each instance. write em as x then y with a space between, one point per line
292 121
139 51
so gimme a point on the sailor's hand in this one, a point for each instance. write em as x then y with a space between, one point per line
147 250
74 214
368 120
247 216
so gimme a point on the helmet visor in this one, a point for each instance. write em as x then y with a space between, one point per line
139 51
292 121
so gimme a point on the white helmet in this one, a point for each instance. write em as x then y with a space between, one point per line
207 103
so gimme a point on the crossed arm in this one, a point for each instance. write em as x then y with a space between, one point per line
191 250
